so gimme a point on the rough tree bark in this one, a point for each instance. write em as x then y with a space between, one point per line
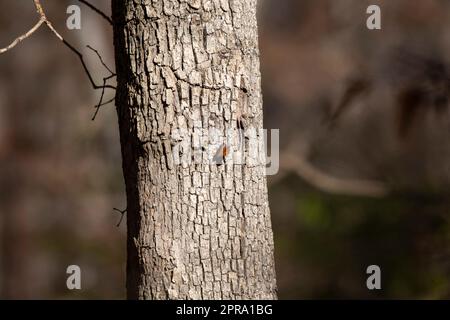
195 231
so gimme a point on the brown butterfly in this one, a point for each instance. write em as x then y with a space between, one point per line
221 154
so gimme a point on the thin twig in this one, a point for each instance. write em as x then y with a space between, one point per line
101 13
44 20
101 104
80 56
97 108
105 80
23 37
107 102
122 213
101 59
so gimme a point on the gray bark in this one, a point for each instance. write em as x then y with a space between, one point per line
195 231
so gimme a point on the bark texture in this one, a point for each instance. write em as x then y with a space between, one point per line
195 231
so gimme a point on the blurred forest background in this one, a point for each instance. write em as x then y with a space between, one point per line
365 159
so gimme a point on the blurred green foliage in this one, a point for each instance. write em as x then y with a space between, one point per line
329 240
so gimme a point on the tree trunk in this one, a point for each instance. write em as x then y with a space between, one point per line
195 230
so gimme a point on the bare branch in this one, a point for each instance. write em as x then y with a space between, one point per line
101 59
23 37
122 212
97 108
105 80
83 63
330 184
43 19
107 102
72 48
96 10
100 102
